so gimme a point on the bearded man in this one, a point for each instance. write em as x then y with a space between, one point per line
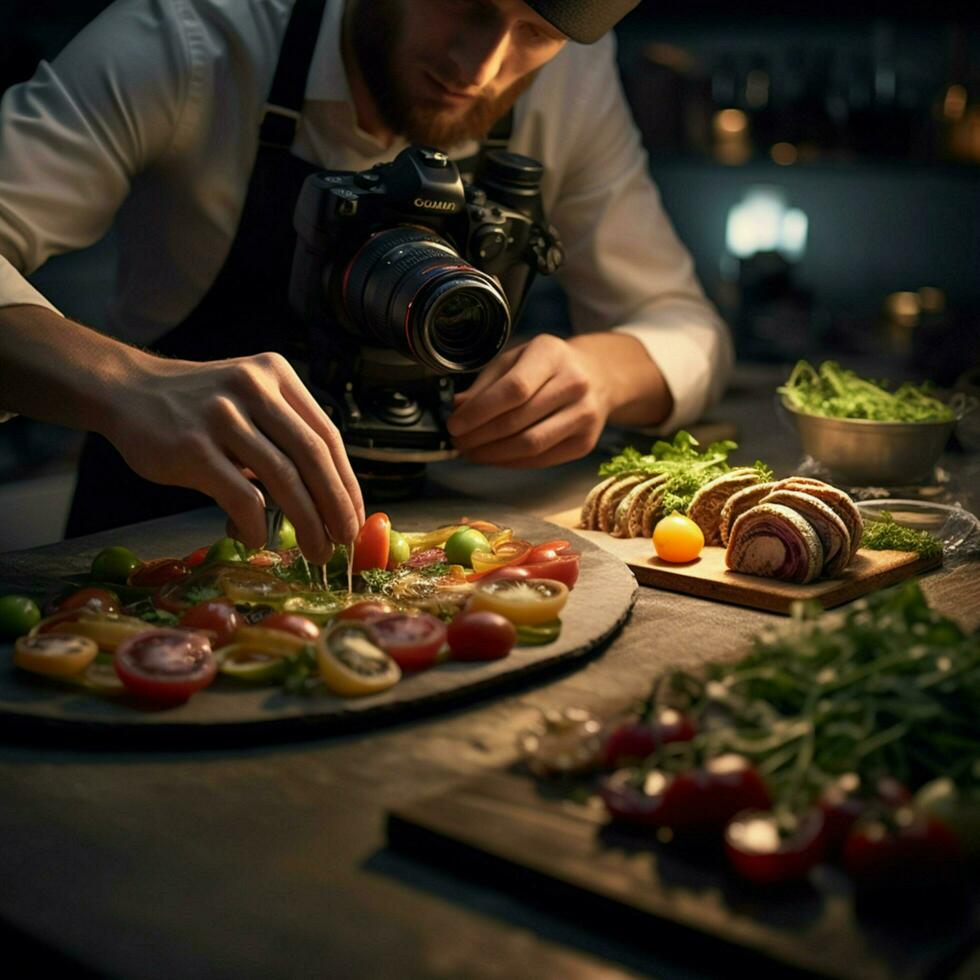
162 116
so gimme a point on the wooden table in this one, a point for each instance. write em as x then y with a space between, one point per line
271 861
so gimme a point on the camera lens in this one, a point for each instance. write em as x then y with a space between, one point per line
410 290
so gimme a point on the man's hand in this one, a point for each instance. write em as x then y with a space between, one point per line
545 402
206 426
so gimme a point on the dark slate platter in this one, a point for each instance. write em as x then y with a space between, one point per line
526 837
596 610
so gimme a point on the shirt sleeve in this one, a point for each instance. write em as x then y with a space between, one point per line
75 136
625 268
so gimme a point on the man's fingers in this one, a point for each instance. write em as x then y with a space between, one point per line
240 499
535 445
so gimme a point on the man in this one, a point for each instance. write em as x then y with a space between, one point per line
152 116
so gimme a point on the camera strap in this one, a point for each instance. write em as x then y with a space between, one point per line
285 101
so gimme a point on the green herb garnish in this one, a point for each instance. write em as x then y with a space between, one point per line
201 593
885 534
301 669
835 392
377 580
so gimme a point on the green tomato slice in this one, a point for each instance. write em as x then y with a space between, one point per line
539 635
246 663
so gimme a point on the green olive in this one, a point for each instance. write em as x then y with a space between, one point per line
460 547
399 549
114 564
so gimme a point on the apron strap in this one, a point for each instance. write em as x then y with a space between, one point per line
285 101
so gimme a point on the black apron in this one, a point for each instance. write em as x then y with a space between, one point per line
246 310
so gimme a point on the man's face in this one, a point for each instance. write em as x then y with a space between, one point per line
443 71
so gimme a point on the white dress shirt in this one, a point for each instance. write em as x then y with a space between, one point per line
149 118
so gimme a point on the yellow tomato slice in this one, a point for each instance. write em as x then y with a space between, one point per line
511 551
276 642
54 654
248 584
525 601
248 663
351 663
424 540
107 632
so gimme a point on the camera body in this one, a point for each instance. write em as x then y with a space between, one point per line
405 278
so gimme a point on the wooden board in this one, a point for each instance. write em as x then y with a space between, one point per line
594 613
707 576
519 835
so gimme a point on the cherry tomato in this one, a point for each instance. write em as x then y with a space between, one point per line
399 549
561 568
292 623
765 850
54 655
115 564
219 616
847 798
412 641
677 538
702 801
368 609
351 662
100 600
637 798
523 601
165 666
505 572
372 543
160 571
902 852
196 558
480 635
637 738
225 549
548 550
460 547
19 614
287 534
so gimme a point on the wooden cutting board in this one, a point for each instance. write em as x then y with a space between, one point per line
707 576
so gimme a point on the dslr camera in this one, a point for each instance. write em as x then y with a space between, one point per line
407 280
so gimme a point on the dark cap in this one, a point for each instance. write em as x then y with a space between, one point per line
584 21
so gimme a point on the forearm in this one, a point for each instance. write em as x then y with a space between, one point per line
57 370
630 383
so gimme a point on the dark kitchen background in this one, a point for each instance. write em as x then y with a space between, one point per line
822 165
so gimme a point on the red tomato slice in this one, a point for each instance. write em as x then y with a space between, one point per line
368 609
411 641
508 571
159 572
371 545
197 557
548 550
561 568
101 600
165 666
219 616
481 635
291 623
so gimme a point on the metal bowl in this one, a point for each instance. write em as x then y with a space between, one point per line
863 452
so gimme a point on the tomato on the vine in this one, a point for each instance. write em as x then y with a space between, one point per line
637 799
372 543
637 738
480 635
767 850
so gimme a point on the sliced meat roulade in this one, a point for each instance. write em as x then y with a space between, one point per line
738 503
705 509
588 517
629 511
652 510
838 501
774 541
613 494
831 530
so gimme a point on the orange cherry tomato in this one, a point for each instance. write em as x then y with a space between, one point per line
372 543
677 538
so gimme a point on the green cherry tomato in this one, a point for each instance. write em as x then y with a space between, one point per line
225 549
460 547
18 615
114 564
399 549
287 534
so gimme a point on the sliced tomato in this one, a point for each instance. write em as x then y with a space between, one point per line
107 630
292 623
508 571
246 663
368 609
277 642
264 559
196 557
561 568
372 543
480 635
351 662
99 600
523 601
548 550
242 583
430 556
54 655
217 616
165 666
159 572
412 641
511 552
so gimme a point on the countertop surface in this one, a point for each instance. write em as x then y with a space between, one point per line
270 860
